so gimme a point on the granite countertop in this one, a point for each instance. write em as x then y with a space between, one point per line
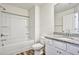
70 40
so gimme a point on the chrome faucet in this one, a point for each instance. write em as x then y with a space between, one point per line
68 34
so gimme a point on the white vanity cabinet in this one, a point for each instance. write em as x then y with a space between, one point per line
54 47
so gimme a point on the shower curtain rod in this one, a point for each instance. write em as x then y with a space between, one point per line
15 14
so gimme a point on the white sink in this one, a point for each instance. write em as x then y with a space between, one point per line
37 46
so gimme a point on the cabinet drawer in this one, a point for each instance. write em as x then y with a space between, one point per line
49 42
74 49
61 45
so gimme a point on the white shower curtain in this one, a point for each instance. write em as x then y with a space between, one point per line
16 33
15 28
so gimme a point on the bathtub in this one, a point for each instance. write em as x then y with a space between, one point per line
13 49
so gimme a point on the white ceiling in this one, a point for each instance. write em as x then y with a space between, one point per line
64 6
23 5
58 7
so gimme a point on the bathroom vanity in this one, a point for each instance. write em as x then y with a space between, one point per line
56 45
65 40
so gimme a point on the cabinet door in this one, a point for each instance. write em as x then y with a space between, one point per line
55 51
74 49
51 51
49 48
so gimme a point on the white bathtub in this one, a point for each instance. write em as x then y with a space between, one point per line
16 48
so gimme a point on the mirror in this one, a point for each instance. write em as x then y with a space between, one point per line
67 17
